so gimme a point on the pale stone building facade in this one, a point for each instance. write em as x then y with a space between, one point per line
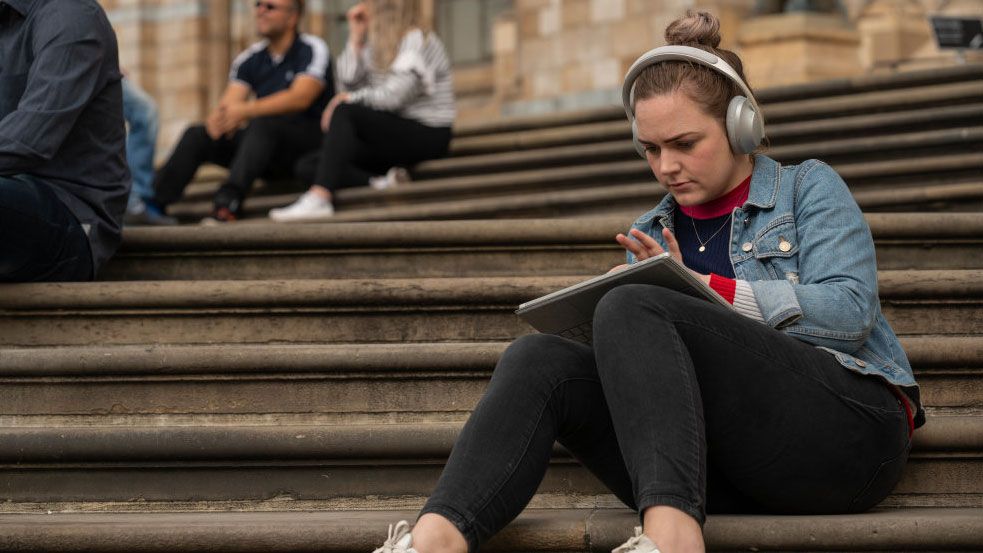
516 57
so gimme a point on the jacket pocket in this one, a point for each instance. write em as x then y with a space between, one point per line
776 249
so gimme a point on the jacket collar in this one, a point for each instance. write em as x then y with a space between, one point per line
765 181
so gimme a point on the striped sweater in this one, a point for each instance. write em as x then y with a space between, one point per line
417 86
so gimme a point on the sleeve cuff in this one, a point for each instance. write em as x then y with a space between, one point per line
723 286
744 301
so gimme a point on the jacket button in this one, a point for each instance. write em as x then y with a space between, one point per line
784 246
747 247
861 364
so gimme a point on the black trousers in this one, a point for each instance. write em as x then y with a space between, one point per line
681 403
267 147
40 239
362 142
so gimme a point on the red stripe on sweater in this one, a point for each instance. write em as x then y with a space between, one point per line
726 287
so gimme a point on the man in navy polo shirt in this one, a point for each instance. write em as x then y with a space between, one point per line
268 116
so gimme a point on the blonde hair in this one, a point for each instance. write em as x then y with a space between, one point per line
390 21
707 87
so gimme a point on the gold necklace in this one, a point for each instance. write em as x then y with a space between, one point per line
703 244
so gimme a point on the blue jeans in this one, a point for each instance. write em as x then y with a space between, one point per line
140 113
40 239
681 403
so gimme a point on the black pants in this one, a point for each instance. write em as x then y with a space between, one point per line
267 147
40 239
681 403
362 142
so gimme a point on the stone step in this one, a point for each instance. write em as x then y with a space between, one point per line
254 459
930 118
966 92
625 200
767 96
535 531
889 144
469 248
375 310
897 183
329 382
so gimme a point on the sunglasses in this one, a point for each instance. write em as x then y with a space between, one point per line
270 6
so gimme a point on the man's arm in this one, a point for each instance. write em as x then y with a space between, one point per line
301 94
63 79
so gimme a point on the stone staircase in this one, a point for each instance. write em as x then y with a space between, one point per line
286 388
911 141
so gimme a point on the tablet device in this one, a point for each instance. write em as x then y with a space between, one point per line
569 312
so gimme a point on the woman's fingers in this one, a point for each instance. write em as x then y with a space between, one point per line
652 247
641 245
673 245
632 246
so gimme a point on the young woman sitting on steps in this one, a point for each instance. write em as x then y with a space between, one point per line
799 400
386 119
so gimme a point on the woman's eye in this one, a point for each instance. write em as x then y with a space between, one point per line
654 150
684 145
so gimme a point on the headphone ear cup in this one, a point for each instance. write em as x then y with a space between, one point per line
634 138
744 127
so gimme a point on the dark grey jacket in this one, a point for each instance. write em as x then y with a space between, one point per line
61 110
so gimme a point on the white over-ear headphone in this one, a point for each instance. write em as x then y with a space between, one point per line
745 127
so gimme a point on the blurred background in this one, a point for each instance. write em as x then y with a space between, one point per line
523 57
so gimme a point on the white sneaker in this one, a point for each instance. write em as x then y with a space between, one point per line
309 207
638 544
394 177
399 540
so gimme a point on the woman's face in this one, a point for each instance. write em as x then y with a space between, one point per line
688 149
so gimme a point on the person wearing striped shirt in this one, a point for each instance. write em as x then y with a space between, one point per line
268 116
384 120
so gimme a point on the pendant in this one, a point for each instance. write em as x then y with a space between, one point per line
702 249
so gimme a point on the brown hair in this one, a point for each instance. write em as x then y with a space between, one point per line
390 21
707 87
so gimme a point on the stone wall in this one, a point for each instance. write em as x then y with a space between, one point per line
569 54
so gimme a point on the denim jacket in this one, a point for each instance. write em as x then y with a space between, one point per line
822 290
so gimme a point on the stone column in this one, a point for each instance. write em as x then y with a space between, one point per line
505 54
218 36
798 47
891 32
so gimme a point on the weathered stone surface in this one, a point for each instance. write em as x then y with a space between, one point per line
537 530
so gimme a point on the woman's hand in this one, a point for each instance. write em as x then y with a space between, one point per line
644 246
358 24
339 98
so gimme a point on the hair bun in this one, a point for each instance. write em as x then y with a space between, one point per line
699 28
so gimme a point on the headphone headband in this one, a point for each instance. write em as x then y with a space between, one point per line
684 53
743 122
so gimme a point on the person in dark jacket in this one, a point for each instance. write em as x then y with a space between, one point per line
63 174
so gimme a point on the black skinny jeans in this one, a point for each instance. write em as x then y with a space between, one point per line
680 403
267 147
362 142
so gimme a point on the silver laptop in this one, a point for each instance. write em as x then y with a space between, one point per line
569 312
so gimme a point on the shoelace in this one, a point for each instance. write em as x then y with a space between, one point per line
632 544
395 534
